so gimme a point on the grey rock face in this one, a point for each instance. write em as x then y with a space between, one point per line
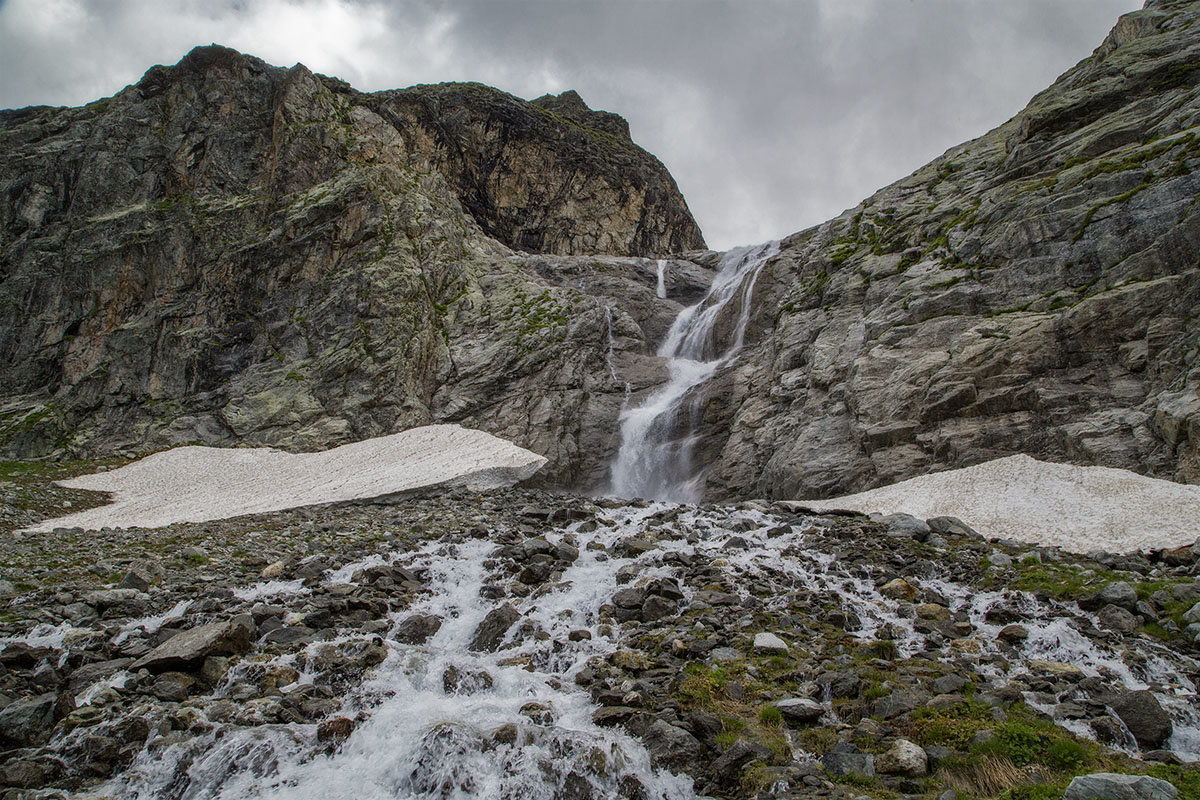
1112 786
228 252
1030 291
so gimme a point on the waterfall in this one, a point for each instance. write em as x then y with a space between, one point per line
657 437
661 291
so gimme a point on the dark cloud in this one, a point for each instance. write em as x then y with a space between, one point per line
772 115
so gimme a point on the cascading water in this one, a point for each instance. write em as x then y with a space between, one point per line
661 289
509 724
657 438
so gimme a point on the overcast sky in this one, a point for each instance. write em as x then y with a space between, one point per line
771 115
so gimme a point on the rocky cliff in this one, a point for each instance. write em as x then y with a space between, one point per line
233 252
1035 290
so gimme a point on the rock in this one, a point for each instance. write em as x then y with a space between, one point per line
142 576
335 730
656 608
1056 668
1111 786
88 674
417 628
949 684
846 759
1013 634
491 630
769 643
729 765
1116 618
799 710
172 686
898 589
843 683
950 526
900 702
1119 594
671 747
903 758
25 723
1192 615
1144 717
273 570
906 525
189 648
933 611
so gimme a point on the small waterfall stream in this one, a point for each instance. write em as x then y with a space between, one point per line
657 438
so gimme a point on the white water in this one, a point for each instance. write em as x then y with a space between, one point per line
661 291
658 437
419 740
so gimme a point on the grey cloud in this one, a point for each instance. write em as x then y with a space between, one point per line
771 115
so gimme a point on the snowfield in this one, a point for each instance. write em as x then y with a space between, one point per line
197 484
1018 497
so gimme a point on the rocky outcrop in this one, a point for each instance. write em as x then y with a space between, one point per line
548 176
229 252
1033 291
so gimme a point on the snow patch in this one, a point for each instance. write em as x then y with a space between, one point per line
1018 497
197 484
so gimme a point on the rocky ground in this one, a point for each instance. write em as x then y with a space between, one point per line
756 649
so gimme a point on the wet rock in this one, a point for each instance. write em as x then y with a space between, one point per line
417 628
1111 786
1055 668
898 589
846 758
88 674
800 710
172 686
335 730
932 611
629 597
656 608
1116 618
1145 718
24 723
24 774
190 648
491 630
1013 634
729 765
903 758
671 747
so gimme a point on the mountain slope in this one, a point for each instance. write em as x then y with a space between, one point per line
233 252
1035 290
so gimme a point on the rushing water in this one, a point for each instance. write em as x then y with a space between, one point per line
658 437
515 726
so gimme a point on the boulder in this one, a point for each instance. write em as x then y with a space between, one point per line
846 759
769 643
24 723
903 758
1112 786
1116 618
670 746
189 649
417 628
491 630
800 710
1144 717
